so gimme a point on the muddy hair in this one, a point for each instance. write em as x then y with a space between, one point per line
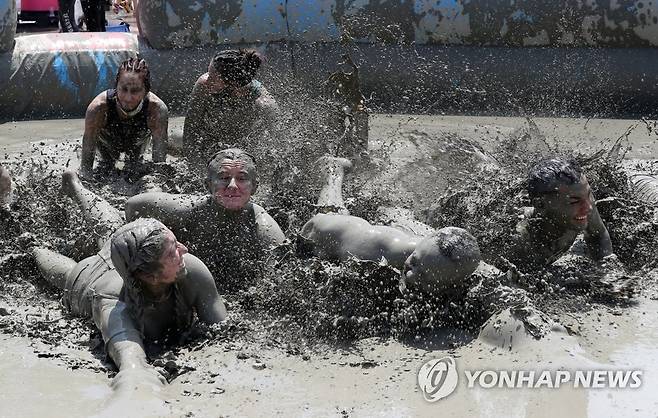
460 247
546 175
235 154
136 248
237 66
138 66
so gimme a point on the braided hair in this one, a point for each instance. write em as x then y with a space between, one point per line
138 66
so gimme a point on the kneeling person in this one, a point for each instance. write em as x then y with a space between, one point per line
124 119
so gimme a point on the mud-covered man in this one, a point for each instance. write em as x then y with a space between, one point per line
228 107
225 229
563 207
436 264
123 120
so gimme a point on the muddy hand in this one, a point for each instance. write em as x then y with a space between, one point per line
138 379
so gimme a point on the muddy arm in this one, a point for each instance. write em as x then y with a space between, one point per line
122 338
193 125
171 210
209 305
94 120
597 236
158 123
269 230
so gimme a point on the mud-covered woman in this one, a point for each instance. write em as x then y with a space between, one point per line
228 107
124 120
141 288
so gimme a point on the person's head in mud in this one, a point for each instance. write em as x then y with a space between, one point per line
147 255
232 178
232 70
133 83
441 262
561 194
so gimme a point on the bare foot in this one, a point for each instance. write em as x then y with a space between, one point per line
328 166
70 183
331 171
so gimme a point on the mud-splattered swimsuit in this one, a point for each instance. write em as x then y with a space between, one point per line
227 242
95 277
123 135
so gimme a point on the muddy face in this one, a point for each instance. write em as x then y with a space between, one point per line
569 208
216 84
171 260
231 186
427 268
172 265
130 91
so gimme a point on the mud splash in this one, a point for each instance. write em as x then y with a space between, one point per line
309 309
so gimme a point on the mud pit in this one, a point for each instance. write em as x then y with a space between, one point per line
274 359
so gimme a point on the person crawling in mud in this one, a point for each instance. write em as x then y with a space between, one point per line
434 264
142 286
123 120
228 107
225 229
6 189
563 207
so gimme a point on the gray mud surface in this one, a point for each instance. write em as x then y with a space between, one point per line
316 338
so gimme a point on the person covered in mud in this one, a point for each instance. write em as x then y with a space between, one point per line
228 106
124 120
6 189
435 264
225 229
142 286
563 207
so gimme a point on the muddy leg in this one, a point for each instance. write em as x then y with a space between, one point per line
101 216
331 173
5 188
53 266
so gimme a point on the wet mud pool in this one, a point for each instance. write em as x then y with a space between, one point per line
279 356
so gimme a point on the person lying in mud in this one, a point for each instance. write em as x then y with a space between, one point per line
141 287
123 120
228 106
6 189
435 264
225 229
563 207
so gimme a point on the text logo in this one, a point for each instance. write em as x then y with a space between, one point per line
438 378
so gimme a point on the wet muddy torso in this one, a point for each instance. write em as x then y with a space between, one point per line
226 241
531 250
228 121
155 328
119 135
95 277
